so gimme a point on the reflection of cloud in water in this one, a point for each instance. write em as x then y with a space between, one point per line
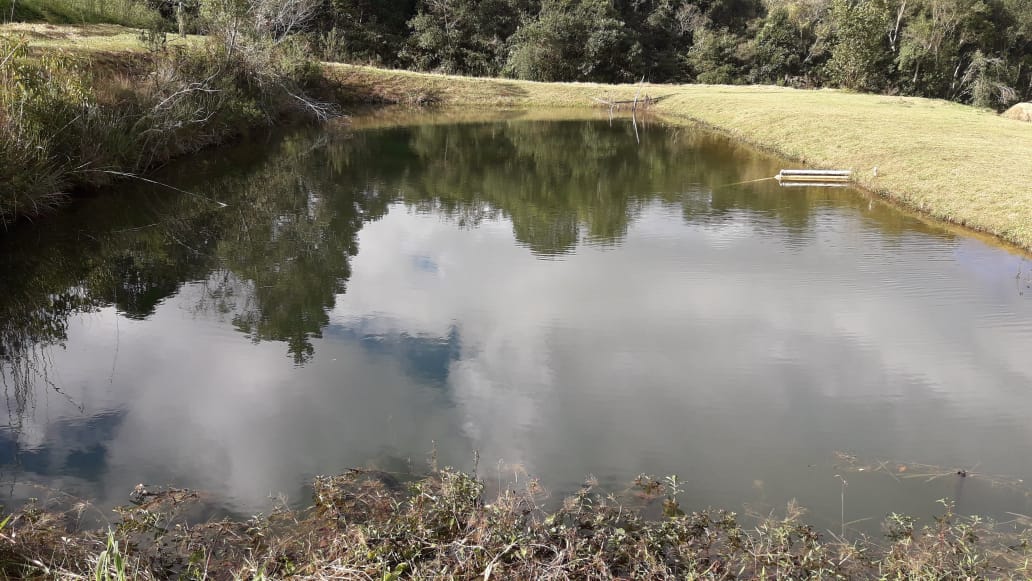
720 342
76 447
204 409
717 351
424 357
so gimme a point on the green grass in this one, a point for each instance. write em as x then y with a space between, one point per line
125 12
81 105
89 38
959 164
956 163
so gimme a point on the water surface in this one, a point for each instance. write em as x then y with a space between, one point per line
568 298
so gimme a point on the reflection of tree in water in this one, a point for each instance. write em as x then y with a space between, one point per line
281 250
33 319
292 245
274 260
563 182
283 243
559 183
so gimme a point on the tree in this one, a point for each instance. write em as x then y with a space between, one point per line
985 82
714 57
464 36
575 40
861 58
372 31
779 49
664 30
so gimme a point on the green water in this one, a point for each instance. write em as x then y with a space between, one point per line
567 298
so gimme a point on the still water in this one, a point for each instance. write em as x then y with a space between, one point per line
568 298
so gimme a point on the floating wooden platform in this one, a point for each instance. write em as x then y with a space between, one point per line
814 177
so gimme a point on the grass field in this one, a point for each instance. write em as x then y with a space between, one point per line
959 164
85 38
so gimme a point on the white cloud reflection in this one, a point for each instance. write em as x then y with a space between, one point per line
729 353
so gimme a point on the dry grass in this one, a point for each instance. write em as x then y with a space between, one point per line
369 525
953 162
1019 112
80 106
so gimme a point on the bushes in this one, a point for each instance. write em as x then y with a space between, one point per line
67 125
43 105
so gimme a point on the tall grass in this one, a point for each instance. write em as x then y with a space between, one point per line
66 123
133 13
41 104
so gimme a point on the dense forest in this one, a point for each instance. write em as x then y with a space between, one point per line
972 51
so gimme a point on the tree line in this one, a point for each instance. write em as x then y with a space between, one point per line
971 51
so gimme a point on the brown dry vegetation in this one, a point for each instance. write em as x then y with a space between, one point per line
956 163
1019 112
369 525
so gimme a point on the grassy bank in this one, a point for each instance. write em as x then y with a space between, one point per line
959 164
79 12
81 106
370 525
956 163
89 40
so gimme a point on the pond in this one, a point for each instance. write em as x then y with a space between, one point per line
563 298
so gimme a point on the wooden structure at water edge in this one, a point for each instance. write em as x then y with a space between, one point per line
814 177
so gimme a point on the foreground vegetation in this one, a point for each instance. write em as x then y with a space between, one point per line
369 525
955 163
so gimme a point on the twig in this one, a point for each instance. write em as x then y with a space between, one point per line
143 179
